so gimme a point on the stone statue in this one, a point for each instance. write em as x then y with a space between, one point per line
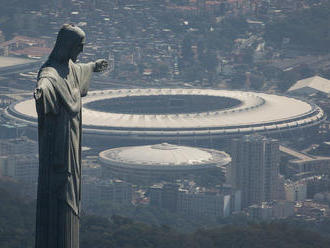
61 84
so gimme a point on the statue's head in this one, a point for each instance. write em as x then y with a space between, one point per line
69 43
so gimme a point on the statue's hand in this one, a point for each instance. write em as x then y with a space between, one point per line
100 65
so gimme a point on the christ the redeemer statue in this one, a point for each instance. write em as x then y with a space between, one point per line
61 84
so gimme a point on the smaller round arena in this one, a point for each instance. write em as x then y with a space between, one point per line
162 162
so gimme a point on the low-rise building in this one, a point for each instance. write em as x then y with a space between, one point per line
91 166
271 210
303 162
18 146
194 201
310 86
19 160
203 204
310 210
100 190
295 191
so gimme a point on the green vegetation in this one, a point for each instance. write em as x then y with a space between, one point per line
16 15
17 231
211 39
16 221
307 29
152 216
122 232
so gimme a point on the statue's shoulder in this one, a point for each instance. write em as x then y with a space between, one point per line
46 76
44 90
48 72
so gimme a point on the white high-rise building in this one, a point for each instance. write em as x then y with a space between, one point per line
255 168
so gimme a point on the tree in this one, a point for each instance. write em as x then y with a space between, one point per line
257 81
288 78
187 53
193 73
237 81
210 61
307 29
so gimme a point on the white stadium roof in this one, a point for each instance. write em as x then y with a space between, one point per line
12 61
317 83
256 112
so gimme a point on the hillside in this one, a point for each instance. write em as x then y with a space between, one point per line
17 231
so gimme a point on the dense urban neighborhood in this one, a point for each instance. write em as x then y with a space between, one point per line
211 113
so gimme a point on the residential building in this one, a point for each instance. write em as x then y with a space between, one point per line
296 191
271 210
255 168
100 190
194 201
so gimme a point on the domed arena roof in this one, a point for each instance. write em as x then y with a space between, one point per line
164 156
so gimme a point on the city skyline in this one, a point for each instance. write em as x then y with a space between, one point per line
192 85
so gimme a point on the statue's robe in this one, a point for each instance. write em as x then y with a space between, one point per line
58 103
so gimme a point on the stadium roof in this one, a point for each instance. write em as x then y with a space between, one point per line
315 83
257 112
12 61
165 156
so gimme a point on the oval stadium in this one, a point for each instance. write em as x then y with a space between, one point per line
154 163
183 116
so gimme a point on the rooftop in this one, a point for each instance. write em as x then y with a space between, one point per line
318 83
255 112
164 154
11 61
